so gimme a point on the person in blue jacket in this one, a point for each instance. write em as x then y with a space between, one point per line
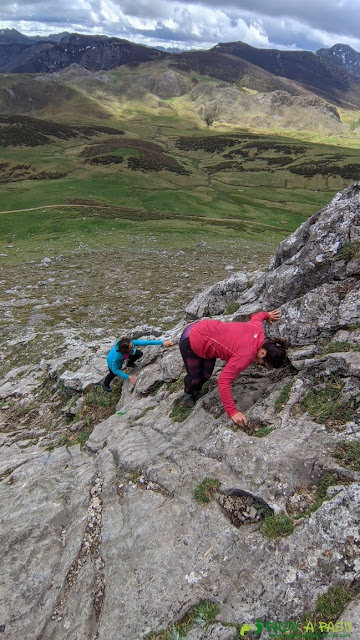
125 351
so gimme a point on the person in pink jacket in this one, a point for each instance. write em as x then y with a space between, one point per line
239 344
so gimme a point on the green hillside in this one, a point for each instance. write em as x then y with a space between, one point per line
145 214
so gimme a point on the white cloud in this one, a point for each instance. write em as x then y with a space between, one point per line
284 24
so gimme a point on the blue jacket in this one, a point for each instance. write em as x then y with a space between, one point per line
115 358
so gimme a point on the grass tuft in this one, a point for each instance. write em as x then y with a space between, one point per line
348 454
204 614
83 437
283 397
325 405
179 414
335 347
205 490
328 609
263 432
278 526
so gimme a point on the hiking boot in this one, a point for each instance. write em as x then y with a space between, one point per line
105 387
187 400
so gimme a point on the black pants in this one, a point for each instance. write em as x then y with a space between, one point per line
129 362
198 369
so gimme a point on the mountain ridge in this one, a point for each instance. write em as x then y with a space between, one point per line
319 74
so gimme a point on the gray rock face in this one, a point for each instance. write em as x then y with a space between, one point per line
107 541
214 300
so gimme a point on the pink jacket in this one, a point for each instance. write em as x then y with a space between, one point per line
235 342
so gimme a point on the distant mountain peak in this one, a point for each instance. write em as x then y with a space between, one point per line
343 56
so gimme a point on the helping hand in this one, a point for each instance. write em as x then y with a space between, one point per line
274 315
167 343
132 379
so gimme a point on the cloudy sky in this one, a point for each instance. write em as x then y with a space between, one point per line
282 24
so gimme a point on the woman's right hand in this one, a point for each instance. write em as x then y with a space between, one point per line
239 419
132 379
274 316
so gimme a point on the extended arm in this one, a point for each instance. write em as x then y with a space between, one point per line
145 343
226 377
270 316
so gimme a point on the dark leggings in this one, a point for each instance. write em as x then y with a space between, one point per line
198 369
129 362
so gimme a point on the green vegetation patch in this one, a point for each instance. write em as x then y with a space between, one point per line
320 496
278 525
350 171
320 622
147 410
283 396
349 251
231 308
263 432
83 437
105 160
179 413
113 144
203 614
348 454
155 161
206 489
99 404
210 144
16 131
175 386
335 347
325 406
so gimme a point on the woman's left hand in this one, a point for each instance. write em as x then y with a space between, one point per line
168 343
239 419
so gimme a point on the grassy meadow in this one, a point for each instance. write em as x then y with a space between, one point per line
137 218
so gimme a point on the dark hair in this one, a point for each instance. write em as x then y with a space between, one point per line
123 345
275 352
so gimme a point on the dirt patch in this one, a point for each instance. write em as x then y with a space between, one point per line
242 509
301 500
253 428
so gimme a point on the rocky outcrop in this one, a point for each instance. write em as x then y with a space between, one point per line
106 540
221 103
